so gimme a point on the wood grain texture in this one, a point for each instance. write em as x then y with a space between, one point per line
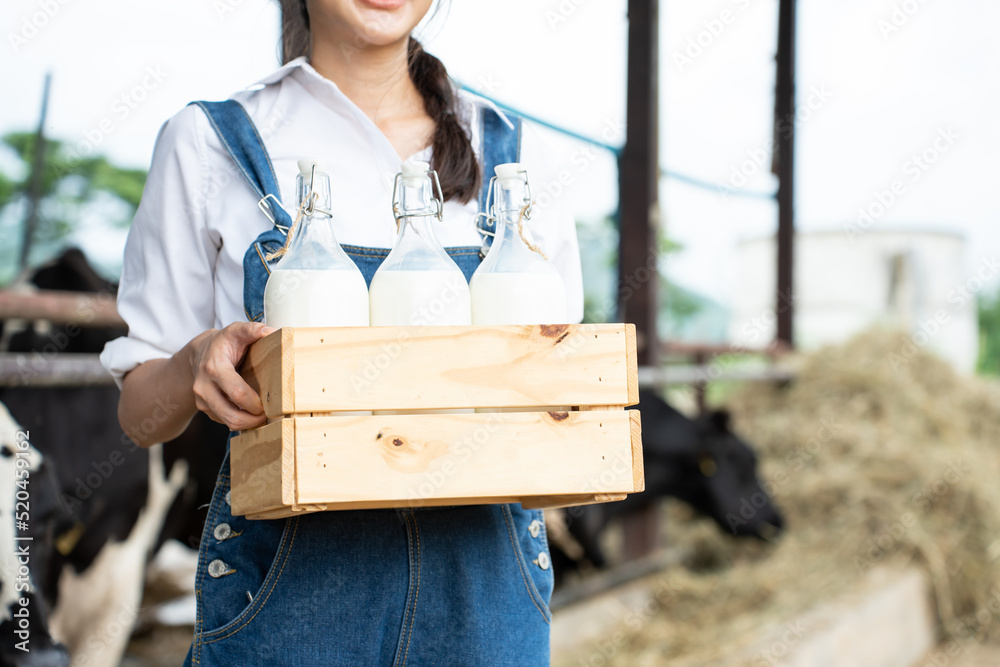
385 368
528 502
632 368
286 511
310 458
415 458
289 473
432 459
638 468
268 367
571 500
257 474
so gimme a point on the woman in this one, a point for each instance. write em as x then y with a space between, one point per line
454 586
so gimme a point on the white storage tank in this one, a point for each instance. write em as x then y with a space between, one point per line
918 281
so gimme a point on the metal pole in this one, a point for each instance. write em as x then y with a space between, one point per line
35 185
638 207
784 136
638 182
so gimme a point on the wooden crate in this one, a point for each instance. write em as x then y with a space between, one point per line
569 442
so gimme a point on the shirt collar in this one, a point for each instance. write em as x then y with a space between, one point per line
469 103
281 72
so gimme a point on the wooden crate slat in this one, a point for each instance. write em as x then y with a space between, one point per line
528 502
363 462
401 457
369 368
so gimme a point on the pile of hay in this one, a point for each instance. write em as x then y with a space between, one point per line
879 454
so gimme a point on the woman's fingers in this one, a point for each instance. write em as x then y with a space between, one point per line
211 400
219 390
241 335
238 391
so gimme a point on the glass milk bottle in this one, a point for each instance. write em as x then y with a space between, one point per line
515 284
418 284
315 284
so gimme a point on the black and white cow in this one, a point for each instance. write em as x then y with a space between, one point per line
699 461
23 612
108 503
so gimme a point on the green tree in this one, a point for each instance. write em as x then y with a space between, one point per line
71 186
989 335
599 254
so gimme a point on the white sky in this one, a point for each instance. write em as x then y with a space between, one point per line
564 60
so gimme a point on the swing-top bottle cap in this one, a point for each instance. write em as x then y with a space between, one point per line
509 172
305 167
413 170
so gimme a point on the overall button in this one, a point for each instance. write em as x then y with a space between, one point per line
223 532
535 527
542 561
229 497
219 568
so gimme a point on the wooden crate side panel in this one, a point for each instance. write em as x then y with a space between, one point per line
478 457
257 461
528 502
286 511
461 367
556 502
632 365
268 368
638 469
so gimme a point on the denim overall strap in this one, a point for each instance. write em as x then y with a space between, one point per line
501 144
241 140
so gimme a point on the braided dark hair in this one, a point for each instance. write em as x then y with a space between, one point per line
454 159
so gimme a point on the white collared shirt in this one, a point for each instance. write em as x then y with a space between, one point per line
183 268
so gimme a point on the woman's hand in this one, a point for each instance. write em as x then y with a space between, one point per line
159 397
219 391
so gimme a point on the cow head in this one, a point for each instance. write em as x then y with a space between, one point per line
704 463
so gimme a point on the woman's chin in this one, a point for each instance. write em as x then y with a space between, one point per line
385 22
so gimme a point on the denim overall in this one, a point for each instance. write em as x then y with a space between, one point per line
462 586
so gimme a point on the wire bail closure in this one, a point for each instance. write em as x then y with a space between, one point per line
309 203
397 206
491 214
306 208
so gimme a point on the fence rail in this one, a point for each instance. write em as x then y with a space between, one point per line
82 309
35 369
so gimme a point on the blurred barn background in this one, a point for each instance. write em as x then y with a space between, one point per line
792 202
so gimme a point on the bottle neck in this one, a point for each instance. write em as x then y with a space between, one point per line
419 210
511 199
320 185
316 224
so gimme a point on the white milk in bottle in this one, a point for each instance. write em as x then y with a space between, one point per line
315 283
418 284
515 284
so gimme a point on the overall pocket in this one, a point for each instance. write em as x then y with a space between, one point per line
531 548
239 566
